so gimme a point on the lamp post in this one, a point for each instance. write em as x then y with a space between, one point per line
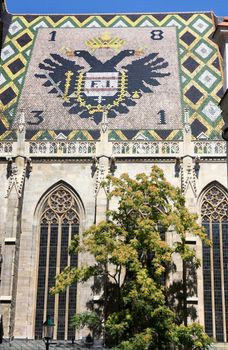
48 328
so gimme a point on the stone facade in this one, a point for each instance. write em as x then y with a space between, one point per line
20 224
37 161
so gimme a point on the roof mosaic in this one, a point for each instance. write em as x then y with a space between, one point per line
192 79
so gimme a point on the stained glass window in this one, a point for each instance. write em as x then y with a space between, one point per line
214 213
59 222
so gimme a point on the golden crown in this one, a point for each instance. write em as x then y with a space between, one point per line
106 41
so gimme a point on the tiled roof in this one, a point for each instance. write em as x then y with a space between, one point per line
200 74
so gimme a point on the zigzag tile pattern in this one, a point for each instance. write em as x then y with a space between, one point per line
200 67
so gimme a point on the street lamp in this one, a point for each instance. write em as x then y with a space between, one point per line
48 328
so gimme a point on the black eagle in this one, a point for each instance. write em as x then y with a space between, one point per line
67 79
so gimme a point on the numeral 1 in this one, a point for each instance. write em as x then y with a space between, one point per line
53 35
162 116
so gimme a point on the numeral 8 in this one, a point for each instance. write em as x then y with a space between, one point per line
157 34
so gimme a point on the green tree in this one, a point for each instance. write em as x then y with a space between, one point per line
132 261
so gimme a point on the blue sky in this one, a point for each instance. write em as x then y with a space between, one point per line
220 7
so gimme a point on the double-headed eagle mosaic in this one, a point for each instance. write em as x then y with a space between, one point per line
88 92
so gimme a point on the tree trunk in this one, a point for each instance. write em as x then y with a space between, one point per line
184 281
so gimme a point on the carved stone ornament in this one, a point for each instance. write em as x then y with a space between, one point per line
215 205
100 176
187 128
188 178
15 179
21 125
101 170
60 206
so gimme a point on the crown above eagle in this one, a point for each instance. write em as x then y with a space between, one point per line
105 41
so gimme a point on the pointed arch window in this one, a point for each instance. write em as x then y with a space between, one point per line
214 214
58 223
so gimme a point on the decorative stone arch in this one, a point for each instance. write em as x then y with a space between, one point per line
45 195
212 202
214 218
59 216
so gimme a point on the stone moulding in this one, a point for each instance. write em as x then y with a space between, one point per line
147 148
119 148
210 147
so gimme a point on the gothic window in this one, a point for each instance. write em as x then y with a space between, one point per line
214 212
59 222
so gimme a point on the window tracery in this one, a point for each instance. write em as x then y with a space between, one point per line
60 206
215 205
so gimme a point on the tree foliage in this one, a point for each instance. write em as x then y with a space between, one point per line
132 262
87 319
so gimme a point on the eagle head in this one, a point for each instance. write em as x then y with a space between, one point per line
80 53
128 52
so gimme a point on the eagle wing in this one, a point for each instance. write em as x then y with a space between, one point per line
145 73
60 74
